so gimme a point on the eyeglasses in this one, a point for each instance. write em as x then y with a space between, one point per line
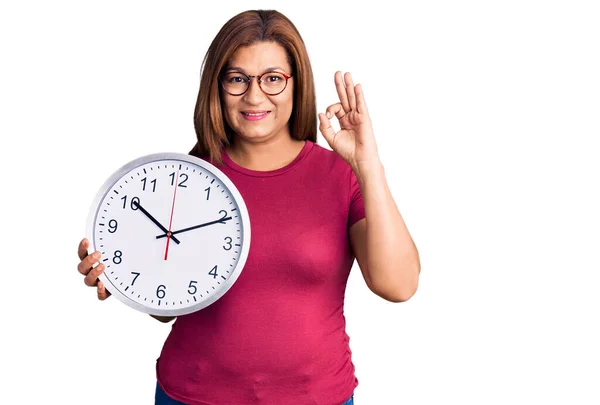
237 83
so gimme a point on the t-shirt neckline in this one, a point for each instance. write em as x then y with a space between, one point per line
308 145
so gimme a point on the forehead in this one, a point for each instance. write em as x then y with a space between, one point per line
260 56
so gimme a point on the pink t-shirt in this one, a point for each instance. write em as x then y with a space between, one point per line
278 336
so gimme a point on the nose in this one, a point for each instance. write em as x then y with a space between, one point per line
254 95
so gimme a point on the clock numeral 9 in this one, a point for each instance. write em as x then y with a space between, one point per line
112 226
192 287
161 291
228 241
181 183
132 205
117 259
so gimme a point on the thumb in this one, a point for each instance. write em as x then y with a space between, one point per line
326 129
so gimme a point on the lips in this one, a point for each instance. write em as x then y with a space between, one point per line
255 115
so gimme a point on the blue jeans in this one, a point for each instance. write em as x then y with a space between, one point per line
161 398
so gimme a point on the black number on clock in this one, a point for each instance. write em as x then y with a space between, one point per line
112 226
161 291
117 259
207 193
182 175
134 201
213 272
228 241
192 288
153 184
135 278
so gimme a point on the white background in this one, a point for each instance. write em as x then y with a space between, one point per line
487 119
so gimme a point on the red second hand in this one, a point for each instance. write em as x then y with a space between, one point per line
171 220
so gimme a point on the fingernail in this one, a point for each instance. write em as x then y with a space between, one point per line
96 255
329 114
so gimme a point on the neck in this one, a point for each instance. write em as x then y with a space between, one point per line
265 155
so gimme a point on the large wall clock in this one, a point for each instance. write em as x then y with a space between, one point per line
173 231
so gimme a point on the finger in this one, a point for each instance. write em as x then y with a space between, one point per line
82 249
335 109
92 277
350 91
341 90
87 263
361 104
102 291
326 129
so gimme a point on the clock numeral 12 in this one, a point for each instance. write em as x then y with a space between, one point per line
181 183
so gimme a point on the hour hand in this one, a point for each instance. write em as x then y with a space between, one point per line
146 213
220 220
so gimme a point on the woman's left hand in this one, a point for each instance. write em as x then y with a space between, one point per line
355 141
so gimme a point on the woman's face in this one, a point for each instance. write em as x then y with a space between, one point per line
254 115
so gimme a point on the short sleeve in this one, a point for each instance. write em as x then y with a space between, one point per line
357 208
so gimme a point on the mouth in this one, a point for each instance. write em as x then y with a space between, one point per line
255 115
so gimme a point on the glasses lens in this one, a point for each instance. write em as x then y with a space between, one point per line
272 82
235 83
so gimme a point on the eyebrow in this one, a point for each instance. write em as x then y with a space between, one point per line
239 69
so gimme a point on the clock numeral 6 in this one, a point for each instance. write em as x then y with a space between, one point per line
192 290
117 259
161 291
132 205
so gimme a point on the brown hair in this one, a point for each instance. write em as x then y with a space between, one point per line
212 131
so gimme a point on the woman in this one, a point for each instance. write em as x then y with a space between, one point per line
278 335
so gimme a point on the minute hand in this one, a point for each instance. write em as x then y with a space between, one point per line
146 213
220 220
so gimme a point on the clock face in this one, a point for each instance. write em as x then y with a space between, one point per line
173 231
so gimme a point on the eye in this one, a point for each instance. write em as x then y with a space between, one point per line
273 77
235 78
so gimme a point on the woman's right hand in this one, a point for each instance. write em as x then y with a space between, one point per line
91 273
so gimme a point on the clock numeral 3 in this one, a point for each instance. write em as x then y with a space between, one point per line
228 241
